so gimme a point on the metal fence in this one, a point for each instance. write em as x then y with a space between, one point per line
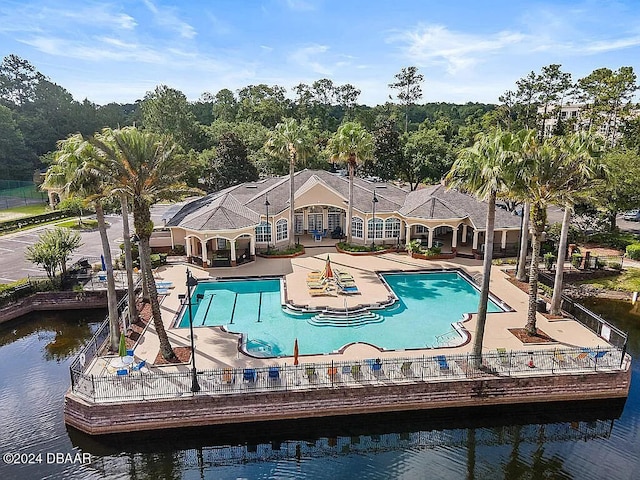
14 193
91 350
586 317
156 383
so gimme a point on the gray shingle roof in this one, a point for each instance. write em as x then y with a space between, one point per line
241 205
219 212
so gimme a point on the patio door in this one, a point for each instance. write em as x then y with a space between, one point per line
334 220
298 223
315 222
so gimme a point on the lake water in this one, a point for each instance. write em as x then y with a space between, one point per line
582 441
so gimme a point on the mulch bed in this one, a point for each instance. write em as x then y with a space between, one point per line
522 335
136 329
183 354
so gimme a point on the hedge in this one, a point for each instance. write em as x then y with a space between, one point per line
18 223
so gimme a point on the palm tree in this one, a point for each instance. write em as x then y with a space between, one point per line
521 272
484 171
353 145
128 260
290 138
545 177
145 167
75 170
580 152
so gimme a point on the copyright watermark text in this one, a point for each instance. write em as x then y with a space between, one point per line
48 458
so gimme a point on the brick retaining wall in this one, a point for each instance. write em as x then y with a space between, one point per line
54 301
202 410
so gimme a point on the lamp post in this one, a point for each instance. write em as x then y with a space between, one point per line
266 204
373 234
191 282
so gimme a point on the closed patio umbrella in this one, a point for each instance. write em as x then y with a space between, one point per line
104 265
328 273
122 348
295 352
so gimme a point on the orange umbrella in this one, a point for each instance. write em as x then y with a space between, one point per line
328 273
295 352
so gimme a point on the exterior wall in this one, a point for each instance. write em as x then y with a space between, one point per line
329 402
54 301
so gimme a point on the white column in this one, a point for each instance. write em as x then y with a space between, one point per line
407 233
188 245
454 238
205 259
233 252
252 245
430 241
475 240
503 244
464 234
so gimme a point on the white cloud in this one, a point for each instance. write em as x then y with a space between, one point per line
306 57
436 44
167 17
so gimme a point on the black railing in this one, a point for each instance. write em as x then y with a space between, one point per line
157 383
95 345
589 319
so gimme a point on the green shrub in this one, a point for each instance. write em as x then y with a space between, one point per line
633 251
576 260
615 266
574 235
549 258
178 250
285 251
617 239
155 260
349 247
432 252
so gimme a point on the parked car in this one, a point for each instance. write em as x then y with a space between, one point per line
632 215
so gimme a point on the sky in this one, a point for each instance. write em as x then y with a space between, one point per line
467 50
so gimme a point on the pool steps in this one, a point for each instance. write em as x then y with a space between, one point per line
351 319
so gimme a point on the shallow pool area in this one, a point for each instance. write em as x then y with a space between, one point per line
426 314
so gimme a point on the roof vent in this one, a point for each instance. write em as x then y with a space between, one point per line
251 186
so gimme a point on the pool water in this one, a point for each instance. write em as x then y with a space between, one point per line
428 306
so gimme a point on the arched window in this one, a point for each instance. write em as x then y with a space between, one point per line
263 232
356 227
379 227
282 230
391 228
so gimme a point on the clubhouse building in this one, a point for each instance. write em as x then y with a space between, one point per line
229 227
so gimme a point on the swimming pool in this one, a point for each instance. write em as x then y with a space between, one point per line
428 306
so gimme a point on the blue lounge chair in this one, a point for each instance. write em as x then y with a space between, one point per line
348 290
122 371
249 375
138 366
442 362
274 373
595 356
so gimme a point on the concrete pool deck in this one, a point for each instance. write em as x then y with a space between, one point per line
217 349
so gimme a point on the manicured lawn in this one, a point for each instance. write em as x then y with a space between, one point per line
628 281
27 210
87 224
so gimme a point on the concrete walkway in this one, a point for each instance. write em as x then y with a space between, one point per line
217 349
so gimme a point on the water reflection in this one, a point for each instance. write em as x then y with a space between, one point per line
584 440
299 440
62 333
